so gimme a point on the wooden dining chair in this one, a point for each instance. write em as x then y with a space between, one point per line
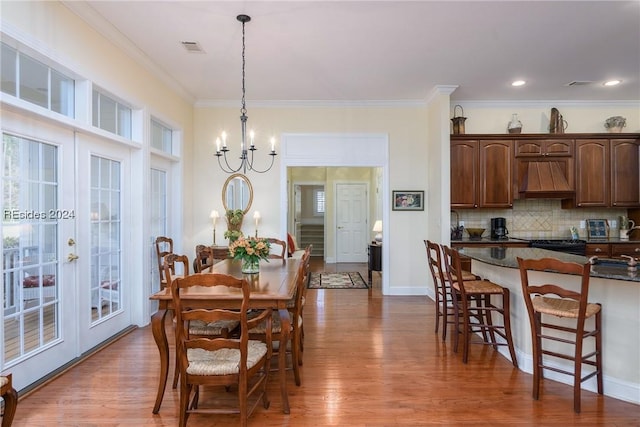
204 258
10 396
442 287
219 361
278 248
223 328
294 347
565 314
164 247
475 309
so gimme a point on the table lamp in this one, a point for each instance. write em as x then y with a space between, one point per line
377 227
214 216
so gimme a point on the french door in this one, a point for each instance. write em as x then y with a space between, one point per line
64 284
103 170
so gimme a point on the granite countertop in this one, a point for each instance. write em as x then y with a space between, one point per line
528 239
507 257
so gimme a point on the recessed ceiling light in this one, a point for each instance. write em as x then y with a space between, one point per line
612 82
518 83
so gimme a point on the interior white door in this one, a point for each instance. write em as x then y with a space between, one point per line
39 331
103 212
351 222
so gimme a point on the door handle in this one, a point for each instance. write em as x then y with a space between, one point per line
340 228
72 257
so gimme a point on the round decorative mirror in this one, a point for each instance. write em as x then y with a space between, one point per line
237 193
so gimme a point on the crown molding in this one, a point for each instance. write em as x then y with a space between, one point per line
407 103
92 18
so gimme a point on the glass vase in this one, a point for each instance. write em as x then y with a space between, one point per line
515 125
250 266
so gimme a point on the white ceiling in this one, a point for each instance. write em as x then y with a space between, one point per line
354 51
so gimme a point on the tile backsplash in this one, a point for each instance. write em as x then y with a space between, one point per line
537 218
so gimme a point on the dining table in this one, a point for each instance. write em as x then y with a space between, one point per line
273 287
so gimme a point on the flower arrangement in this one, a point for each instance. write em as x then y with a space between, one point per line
234 224
250 251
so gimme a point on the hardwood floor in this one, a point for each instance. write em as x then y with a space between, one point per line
368 361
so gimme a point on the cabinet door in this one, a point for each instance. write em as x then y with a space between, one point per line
464 174
625 172
592 172
496 174
546 147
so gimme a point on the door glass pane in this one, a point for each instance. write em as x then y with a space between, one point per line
158 220
106 274
30 249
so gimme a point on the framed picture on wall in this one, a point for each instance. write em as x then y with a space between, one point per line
407 200
598 228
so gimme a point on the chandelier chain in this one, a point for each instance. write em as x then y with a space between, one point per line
243 110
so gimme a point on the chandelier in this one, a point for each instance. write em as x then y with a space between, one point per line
246 159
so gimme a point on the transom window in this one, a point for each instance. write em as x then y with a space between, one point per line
161 137
30 80
111 115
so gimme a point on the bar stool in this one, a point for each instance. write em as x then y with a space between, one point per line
442 288
468 292
569 305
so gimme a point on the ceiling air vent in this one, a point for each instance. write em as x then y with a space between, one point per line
192 47
579 83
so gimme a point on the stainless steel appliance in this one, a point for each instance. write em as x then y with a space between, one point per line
570 246
499 229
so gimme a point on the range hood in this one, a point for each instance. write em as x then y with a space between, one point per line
545 180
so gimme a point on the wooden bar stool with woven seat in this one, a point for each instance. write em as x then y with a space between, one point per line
442 288
570 305
468 292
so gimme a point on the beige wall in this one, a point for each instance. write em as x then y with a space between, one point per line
408 147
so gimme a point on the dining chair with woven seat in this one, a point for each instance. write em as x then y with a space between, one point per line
442 288
10 396
294 345
164 247
565 312
475 309
239 363
222 328
204 258
278 248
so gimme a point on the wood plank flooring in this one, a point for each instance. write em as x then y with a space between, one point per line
369 360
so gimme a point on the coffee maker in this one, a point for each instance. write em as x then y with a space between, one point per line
499 229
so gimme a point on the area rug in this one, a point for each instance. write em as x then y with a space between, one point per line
351 280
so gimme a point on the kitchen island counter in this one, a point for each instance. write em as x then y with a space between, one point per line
507 257
617 291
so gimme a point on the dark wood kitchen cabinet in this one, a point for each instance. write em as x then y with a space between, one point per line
625 172
592 173
481 173
608 172
544 148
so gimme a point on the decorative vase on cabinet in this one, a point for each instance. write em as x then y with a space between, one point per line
515 125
